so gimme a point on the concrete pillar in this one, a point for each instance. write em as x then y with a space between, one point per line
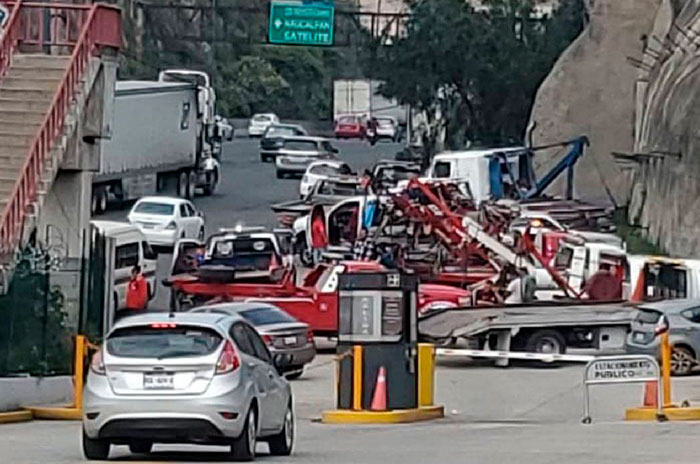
65 215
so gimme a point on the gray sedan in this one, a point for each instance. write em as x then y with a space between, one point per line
282 333
682 319
186 378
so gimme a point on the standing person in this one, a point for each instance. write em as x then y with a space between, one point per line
319 239
137 291
603 285
372 125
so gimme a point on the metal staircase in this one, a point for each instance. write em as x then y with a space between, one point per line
45 55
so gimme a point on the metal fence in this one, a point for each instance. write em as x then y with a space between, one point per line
41 314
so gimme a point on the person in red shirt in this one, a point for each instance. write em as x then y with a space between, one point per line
604 285
137 291
319 238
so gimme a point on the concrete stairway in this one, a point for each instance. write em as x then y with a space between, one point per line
26 92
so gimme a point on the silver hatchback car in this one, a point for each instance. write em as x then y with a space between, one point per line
186 378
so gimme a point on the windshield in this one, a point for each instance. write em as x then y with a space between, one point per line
300 145
386 123
441 170
280 131
347 120
261 118
648 316
162 209
266 315
340 190
162 341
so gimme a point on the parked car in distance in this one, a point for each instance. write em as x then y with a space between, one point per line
349 127
387 128
260 122
319 170
165 220
298 152
682 320
282 333
273 139
186 378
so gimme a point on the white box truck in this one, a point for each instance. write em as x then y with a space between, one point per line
162 133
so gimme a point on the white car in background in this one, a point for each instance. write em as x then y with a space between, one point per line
387 128
165 220
260 122
319 170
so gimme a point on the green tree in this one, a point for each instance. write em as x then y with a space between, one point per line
473 73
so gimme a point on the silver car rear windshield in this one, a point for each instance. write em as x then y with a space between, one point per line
266 315
162 341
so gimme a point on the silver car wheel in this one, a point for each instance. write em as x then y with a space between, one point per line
681 361
289 427
252 431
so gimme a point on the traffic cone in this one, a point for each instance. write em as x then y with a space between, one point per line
379 398
651 394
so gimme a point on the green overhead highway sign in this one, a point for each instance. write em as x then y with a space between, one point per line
296 23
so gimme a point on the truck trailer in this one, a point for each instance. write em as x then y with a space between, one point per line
161 135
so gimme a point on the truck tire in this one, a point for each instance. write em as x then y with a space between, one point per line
191 185
546 342
212 182
182 180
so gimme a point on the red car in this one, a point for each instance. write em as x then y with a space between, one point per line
315 301
349 127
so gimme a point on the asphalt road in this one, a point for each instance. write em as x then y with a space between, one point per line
494 415
248 188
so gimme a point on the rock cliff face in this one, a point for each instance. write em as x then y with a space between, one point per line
590 91
665 198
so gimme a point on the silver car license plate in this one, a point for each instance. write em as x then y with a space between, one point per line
639 336
158 381
290 340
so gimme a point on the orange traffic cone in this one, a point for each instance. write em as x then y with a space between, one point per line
379 398
651 394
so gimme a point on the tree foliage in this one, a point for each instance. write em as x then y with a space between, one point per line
249 75
474 73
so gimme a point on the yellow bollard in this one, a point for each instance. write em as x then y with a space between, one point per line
357 378
426 374
80 345
666 368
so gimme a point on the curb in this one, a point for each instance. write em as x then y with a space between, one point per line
15 416
671 414
55 413
397 416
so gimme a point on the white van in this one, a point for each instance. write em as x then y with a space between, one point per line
476 166
129 249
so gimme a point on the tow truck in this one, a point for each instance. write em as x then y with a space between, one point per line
315 301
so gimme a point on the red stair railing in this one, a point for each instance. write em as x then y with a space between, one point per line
99 25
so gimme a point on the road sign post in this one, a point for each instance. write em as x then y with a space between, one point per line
621 369
297 23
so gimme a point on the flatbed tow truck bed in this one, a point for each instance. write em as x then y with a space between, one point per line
607 324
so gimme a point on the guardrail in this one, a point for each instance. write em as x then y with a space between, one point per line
99 25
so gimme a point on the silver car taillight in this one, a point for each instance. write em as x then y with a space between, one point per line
228 360
96 365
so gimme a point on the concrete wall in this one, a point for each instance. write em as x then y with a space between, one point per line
590 91
16 392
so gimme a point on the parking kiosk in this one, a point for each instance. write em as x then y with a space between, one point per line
377 332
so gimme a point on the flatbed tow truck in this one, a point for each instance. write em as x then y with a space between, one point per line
547 328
